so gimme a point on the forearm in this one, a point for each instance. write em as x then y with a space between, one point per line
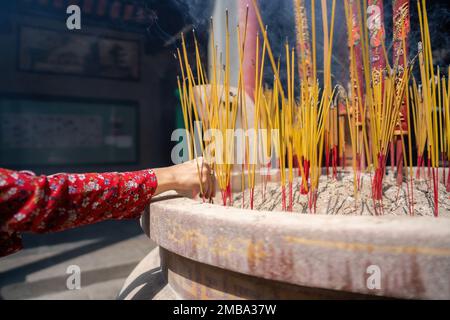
166 180
44 204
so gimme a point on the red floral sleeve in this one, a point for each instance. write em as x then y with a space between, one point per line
41 204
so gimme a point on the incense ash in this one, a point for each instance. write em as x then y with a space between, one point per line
336 198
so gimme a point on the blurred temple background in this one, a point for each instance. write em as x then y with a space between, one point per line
98 99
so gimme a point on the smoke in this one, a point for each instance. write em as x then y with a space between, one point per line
197 12
280 21
280 18
439 25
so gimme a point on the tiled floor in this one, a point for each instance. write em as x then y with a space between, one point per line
106 254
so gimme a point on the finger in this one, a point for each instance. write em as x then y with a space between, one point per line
202 164
202 191
206 179
213 182
202 174
207 185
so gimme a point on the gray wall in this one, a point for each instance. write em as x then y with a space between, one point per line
156 101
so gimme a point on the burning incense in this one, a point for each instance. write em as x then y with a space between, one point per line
401 30
384 104
303 45
357 77
430 101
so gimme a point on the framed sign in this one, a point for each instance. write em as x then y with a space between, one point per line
50 132
129 15
69 53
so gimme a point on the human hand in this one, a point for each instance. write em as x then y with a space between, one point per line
186 178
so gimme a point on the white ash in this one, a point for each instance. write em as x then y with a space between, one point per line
337 197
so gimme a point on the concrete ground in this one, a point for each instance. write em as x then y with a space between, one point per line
106 253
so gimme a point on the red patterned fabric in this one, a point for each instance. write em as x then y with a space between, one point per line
42 204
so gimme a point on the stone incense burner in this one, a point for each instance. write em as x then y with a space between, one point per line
207 251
